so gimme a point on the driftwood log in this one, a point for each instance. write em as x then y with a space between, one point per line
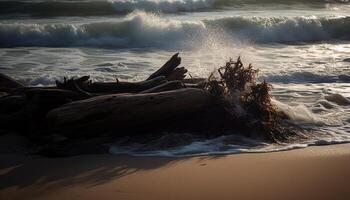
78 106
125 111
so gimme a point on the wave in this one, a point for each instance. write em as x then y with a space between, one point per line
141 29
172 6
112 7
284 29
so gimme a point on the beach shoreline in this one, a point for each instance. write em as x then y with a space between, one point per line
318 172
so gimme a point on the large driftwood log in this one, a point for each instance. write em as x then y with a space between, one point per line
121 111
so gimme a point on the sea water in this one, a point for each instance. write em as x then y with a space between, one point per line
301 47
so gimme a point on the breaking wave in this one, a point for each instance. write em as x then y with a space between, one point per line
138 30
141 29
285 29
111 7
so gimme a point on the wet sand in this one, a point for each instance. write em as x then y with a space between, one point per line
320 172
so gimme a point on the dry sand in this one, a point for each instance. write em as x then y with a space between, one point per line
321 172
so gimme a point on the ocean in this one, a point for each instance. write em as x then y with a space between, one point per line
301 47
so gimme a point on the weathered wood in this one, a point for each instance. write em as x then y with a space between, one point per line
7 82
75 84
124 87
177 74
23 112
189 85
195 80
171 85
52 94
167 68
112 112
23 90
45 100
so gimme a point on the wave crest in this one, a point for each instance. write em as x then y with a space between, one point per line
141 29
285 29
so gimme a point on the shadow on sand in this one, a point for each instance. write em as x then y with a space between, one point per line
22 171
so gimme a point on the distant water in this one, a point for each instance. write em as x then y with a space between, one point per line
302 47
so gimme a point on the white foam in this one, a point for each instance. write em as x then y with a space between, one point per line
219 146
298 114
139 29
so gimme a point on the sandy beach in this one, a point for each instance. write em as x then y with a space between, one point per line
320 172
